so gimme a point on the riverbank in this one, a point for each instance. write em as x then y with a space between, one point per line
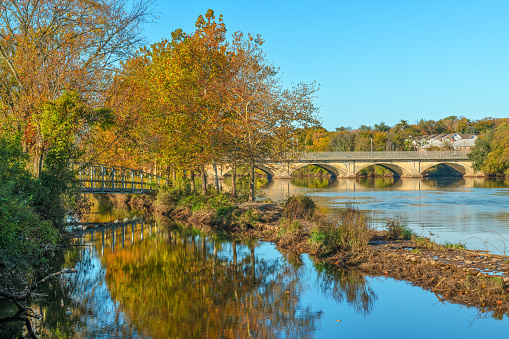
454 274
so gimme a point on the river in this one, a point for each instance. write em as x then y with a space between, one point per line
141 278
471 211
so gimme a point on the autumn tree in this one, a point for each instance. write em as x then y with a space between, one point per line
491 151
267 116
51 47
211 102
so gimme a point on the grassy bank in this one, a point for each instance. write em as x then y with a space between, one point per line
214 210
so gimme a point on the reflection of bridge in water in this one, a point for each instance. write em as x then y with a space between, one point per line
118 235
279 189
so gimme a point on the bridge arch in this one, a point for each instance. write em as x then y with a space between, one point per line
457 167
265 169
397 170
227 170
334 171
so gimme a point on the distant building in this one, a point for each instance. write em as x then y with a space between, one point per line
455 141
463 144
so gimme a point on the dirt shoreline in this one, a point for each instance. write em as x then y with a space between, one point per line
469 277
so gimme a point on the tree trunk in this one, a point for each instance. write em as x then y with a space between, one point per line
193 185
253 262
252 182
168 176
39 165
234 184
234 250
216 179
203 181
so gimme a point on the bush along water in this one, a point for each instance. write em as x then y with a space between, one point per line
33 212
396 230
299 207
348 231
181 203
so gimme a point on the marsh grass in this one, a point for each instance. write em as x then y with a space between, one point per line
350 230
299 207
424 242
396 230
289 226
457 246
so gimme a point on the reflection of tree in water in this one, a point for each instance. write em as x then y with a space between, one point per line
181 286
319 182
345 285
72 304
491 183
102 211
381 182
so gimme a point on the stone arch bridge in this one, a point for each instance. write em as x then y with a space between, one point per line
348 164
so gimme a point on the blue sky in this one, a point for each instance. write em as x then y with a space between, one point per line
376 60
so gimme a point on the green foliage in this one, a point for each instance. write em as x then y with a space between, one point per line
310 170
222 205
299 207
170 198
480 151
376 171
23 238
498 281
350 231
458 246
491 152
424 242
289 226
24 232
395 230
248 219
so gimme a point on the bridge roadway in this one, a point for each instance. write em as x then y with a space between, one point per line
406 164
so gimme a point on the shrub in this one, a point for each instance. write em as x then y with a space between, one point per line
424 242
395 230
24 236
288 226
350 231
299 207
168 198
248 219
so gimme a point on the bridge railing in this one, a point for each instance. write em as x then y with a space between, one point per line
99 178
388 155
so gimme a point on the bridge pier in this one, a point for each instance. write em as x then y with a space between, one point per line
413 175
282 176
476 175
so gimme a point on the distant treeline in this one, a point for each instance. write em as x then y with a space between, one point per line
490 154
388 138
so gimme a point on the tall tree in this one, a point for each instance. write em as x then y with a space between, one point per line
51 47
267 115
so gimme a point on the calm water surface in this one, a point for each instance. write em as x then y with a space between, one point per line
147 279
473 211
